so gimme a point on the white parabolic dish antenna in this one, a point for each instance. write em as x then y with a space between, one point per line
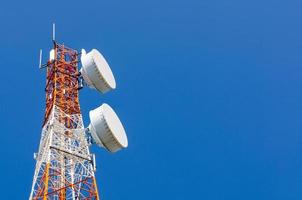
96 71
106 128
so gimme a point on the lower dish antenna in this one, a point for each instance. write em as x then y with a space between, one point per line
106 129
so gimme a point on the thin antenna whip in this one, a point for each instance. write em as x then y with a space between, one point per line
53 31
40 61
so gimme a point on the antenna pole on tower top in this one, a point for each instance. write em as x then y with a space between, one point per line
53 32
40 59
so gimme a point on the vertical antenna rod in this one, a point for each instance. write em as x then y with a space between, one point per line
40 61
53 31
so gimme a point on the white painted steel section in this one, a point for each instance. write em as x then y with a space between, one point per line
51 55
68 152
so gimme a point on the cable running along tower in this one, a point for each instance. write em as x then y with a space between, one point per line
65 169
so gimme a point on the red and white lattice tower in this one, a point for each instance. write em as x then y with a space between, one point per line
65 169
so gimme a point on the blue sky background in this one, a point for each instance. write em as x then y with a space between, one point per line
210 93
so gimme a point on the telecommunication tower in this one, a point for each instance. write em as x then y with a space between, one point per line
65 168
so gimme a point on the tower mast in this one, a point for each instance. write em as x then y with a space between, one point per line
64 167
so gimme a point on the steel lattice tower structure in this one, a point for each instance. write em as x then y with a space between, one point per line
64 166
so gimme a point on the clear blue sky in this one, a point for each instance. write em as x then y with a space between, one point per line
210 93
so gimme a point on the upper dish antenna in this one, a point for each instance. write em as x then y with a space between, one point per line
96 71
